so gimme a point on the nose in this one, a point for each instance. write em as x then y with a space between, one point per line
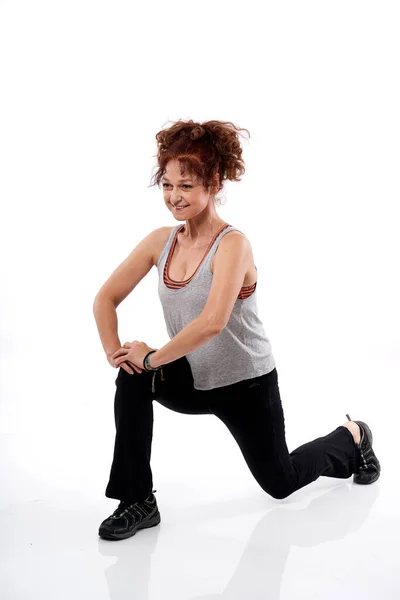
174 197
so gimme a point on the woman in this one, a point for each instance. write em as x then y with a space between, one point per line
219 360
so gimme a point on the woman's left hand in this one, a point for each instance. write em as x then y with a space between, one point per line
133 352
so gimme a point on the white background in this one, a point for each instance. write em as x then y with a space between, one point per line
85 87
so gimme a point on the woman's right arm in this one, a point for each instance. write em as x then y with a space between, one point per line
118 286
105 314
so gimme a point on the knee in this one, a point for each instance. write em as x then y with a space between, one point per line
278 492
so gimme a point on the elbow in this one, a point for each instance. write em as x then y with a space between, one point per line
96 301
213 327
95 305
101 298
219 328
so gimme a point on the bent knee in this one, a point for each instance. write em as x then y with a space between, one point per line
279 493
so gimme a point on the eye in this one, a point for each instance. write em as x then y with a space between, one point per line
185 185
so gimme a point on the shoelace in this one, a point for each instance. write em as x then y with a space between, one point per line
124 508
366 456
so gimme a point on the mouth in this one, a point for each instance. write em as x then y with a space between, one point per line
179 208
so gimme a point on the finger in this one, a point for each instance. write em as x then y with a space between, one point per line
127 366
137 369
119 362
120 352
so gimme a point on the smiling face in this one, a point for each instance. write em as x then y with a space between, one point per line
183 190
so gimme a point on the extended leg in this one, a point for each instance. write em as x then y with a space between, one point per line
254 415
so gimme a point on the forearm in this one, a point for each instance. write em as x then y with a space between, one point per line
105 314
194 335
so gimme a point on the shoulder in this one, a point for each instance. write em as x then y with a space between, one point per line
234 242
160 237
234 233
234 237
163 234
164 231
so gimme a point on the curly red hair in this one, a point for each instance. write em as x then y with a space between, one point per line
202 149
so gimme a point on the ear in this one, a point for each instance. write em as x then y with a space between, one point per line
216 183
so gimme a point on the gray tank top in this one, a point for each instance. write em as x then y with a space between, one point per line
241 350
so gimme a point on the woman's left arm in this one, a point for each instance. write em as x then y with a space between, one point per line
196 334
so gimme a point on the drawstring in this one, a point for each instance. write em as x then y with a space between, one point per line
153 387
147 367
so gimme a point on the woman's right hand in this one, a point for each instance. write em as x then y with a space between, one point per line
127 366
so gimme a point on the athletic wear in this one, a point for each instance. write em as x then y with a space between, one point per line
241 350
252 412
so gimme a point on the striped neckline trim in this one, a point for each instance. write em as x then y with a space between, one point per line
172 283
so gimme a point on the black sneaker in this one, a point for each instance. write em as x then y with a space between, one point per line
369 468
128 518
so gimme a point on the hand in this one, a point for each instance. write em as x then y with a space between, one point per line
132 354
124 365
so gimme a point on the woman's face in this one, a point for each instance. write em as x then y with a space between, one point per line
183 190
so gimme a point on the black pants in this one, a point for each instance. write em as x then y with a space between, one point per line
252 411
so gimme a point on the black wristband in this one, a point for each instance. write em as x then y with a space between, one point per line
151 368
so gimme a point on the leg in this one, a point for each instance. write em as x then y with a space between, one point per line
252 410
131 476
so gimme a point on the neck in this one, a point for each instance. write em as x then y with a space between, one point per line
201 228
194 234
